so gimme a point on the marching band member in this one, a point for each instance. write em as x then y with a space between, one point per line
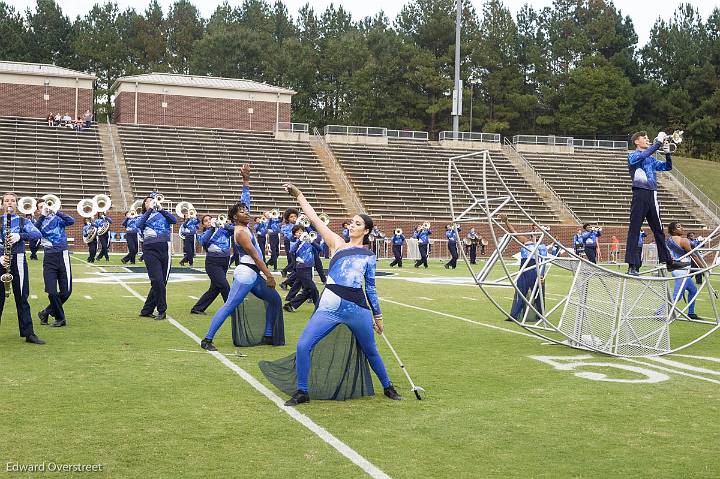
398 240
422 235
471 241
34 244
641 243
589 238
483 243
157 254
317 251
217 241
346 231
343 300
453 239
527 279
261 227
92 245
188 230
304 253
375 235
103 240
246 277
56 262
290 217
19 232
679 246
274 238
578 242
131 237
235 258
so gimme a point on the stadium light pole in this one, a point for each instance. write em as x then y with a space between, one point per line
457 97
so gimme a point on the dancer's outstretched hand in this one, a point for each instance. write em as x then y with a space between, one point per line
292 189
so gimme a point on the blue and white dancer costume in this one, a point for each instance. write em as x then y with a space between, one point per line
274 239
246 277
131 238
103 240
423 241
21 230
57 272
157 254
397 243
643 168
589 239
188 229
453 239
343 300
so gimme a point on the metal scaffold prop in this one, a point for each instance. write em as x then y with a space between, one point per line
563 297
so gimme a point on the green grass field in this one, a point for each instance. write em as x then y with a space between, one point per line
704 174
140 398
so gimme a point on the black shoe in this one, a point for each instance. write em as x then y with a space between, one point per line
693 316
673 265
160 316
298 398
283 286
633 271
147 315
446 266
34 339
207 345
195 311
392 393
59 324
310 300
266 341
182 263
283 273
288 307
123 261
43 315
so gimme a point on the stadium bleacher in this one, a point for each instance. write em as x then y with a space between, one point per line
37 159
596 185
201 165
408 180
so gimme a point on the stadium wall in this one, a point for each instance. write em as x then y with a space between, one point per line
28 100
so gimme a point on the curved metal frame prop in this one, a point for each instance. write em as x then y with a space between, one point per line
603 310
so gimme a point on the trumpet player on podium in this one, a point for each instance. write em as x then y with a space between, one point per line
14 231
643 168
56 261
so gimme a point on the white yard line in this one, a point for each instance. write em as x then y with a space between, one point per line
87 297
193 297
369 468
33 296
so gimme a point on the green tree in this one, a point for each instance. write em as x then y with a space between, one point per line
50 34
184 26
13 34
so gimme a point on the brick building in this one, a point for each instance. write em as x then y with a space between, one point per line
34 89
210 102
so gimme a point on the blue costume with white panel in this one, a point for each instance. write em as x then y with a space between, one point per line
274 238
397 244
643 166
343 302
305 253
590 242
57 273
527 279
103 240
453 239
261 230
682 284
131 238
423 237
157 253
247 279
188 230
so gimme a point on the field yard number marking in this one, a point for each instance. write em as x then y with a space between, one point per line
570 363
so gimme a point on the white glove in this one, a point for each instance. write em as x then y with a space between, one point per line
661 137
14 238
3 261
45 211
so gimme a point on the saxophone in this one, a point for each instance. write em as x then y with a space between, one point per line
7 277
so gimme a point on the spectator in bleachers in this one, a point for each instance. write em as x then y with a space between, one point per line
50 119
58 119
78 124
66 121
87 117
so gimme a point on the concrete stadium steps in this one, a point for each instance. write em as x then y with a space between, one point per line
37 159
407 180
597 186
202 165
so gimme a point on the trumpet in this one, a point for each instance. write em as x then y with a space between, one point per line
185 208
158 201
672 141
425 225
135 209
303 221
52 202
324 218
274 214
308 237
27 205
86 208
102 203
312 236
398 231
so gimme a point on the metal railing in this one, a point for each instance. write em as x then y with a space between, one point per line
292 127
351 191
470 136
355 130
521 158
711 207
408 135
111 139
543 140
600 144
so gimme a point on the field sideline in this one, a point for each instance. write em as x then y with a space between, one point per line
140 398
